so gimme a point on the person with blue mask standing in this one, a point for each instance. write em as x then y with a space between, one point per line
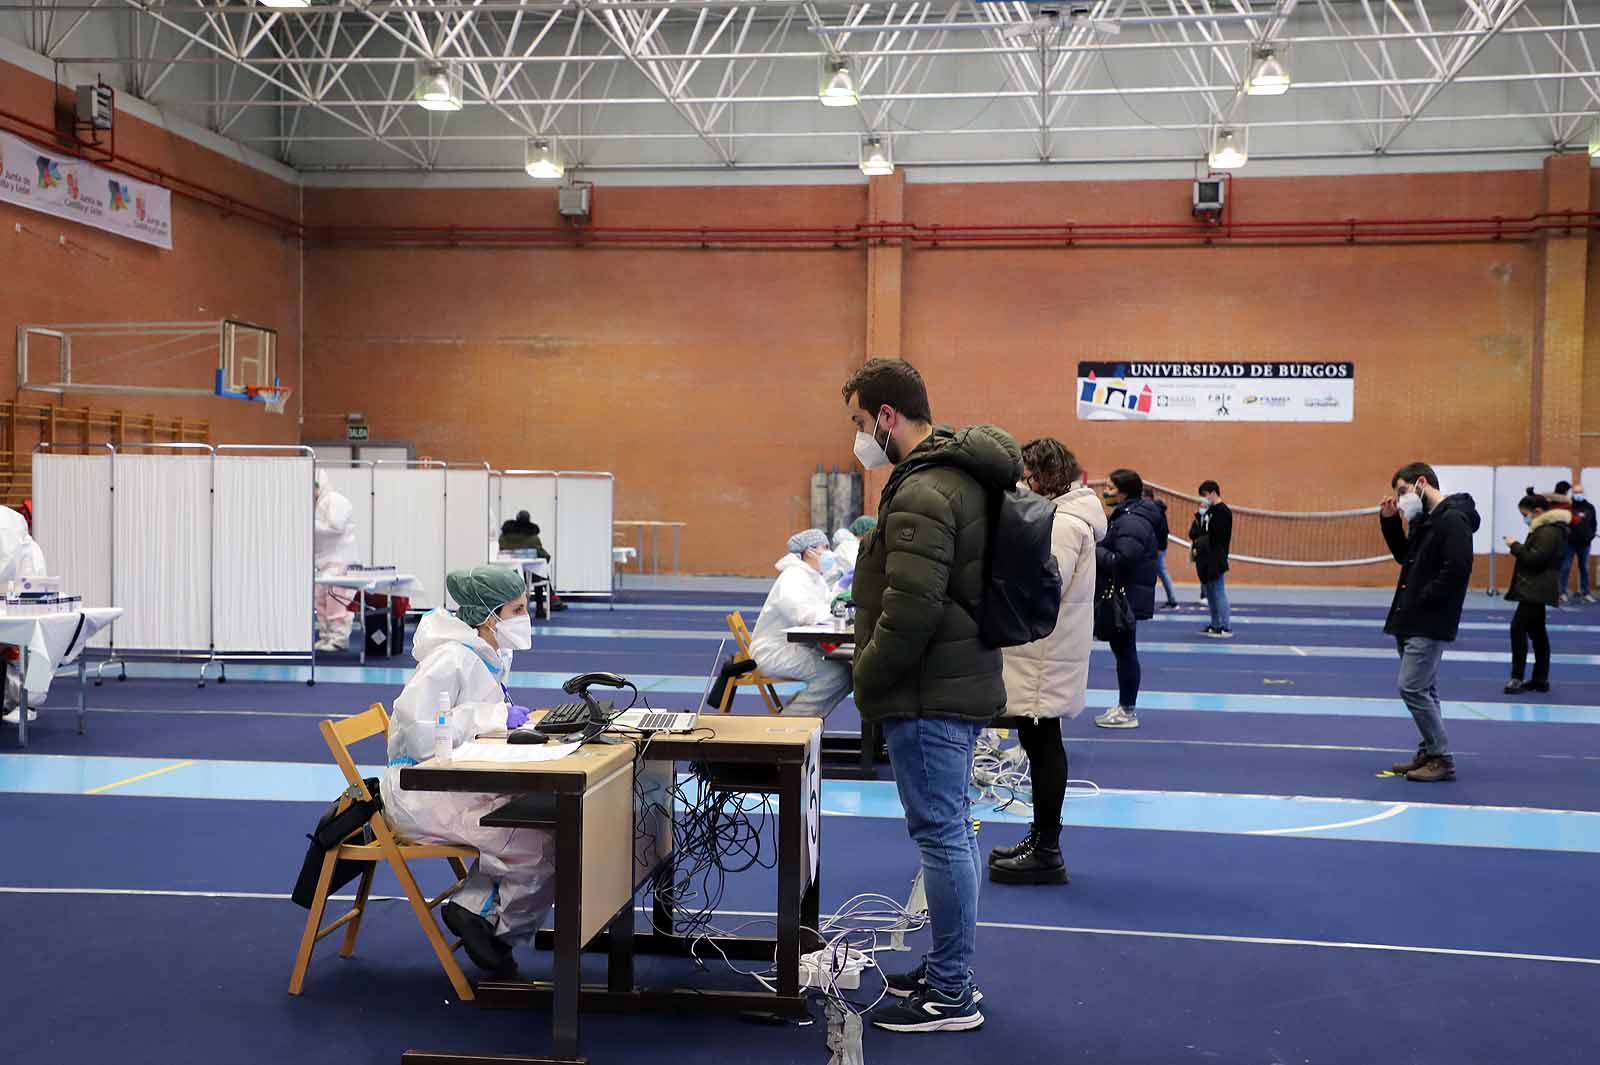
464 660
801 596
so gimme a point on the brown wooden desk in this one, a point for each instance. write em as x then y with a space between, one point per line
603 853
594 902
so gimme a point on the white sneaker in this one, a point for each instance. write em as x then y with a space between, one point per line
1118 717
10 716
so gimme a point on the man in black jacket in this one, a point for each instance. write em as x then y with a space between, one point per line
920 669
1435 570
1211 538
1580 540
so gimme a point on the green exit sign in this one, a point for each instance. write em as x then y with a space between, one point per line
356 434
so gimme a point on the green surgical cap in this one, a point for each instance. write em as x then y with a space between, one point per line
863 525
482 590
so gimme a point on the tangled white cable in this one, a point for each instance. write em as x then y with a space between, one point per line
1001 773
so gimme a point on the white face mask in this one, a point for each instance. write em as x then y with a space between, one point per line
515 633
868 451
1410 506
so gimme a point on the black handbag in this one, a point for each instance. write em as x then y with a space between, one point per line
1113 614
347 815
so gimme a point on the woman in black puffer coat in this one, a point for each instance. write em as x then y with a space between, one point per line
1535 586
1127 556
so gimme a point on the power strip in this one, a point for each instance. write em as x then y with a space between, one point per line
848 965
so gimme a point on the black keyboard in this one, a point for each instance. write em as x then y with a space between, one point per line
568 717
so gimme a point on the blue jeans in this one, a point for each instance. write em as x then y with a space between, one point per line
932 761
1217 595
1581 554
1166 578
1419 673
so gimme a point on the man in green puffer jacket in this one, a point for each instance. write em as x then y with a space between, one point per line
921 671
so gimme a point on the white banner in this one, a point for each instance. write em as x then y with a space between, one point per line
1217 391
34 177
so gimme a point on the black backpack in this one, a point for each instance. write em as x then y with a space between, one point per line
1022 583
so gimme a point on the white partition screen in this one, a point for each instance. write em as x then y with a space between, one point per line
72 524
534 492
162 556
409 525
1589 477
467 512
583 528
1477 482
355 484
263 560
1510 484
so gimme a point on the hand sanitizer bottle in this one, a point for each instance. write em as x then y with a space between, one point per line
444 740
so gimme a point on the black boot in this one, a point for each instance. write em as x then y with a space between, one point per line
487 951
1039 863
1020 847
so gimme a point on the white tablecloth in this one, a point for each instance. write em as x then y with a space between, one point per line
53 640
536 567
386 583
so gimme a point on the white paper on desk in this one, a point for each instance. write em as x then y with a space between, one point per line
512 752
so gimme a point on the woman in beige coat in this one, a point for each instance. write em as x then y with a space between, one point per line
1046 679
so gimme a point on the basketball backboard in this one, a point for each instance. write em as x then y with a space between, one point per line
227 358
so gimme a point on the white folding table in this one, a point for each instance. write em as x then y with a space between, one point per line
362 583
48 642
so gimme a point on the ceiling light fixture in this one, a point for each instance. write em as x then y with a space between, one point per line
836 88
438 86
876 160
541 161
1227 150
1269 76
1594 139
284 5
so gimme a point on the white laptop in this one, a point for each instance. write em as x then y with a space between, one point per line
673 720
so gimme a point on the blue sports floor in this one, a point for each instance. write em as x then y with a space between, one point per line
1244 888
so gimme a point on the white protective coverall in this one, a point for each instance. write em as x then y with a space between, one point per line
20 557
512 884
848 547
800 597
335 548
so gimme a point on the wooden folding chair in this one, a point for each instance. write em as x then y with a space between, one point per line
385 848
761 681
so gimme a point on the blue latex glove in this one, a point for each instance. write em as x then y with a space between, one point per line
517 716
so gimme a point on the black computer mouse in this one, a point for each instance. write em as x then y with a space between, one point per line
526 735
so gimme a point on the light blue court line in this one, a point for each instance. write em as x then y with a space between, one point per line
1223 702
1264 650
702 608
555 631
1322 818
1370 624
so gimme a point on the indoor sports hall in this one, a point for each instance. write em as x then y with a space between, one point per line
563 531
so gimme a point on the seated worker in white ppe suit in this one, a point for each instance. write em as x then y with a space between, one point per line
466 656
19 557
801 596
334 547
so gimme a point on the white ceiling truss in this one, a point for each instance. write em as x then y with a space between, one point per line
700 84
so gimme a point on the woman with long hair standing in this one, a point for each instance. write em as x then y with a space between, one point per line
1046 679
1535 586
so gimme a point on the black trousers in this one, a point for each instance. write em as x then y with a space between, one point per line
1527 625
1047 762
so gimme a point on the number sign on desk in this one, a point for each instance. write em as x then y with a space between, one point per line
813 793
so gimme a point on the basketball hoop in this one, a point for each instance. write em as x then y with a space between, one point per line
275 397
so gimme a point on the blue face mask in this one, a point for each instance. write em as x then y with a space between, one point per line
1527 519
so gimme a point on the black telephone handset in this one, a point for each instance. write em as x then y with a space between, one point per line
581 683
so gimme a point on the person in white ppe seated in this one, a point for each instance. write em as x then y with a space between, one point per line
466 657
334 548
20 557
801 596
